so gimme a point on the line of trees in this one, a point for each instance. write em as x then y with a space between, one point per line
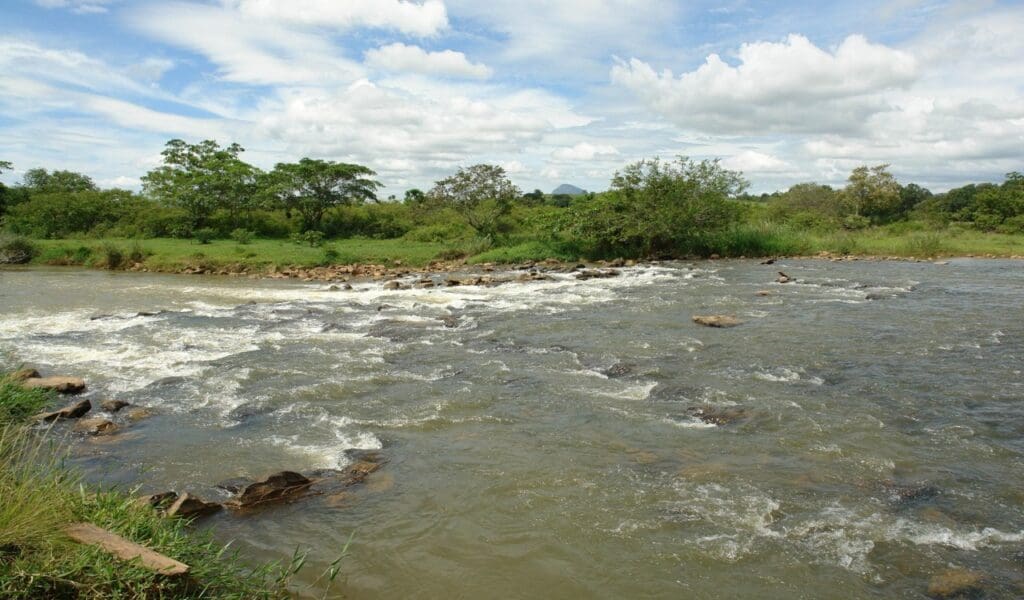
651 207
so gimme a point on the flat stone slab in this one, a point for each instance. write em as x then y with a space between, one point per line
91 535
720 321
71 411
63 385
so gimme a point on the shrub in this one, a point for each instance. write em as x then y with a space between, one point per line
313 238
330 256
1012 225
16 250
242 236
451 254
113 256
204 235
138 254
855 222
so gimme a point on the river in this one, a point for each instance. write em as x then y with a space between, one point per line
548 444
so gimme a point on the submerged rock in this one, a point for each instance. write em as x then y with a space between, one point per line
783 278
138 413
274 488
60 384
597 274
905 494
720 321
955 583
619 370
71 411
96 426
112 406
714 415
168 381
188 505
762 293
449 322
249 410
394 285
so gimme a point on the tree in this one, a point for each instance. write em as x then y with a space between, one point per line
310 187
414 197
41 181
201 178
911 195
873 192
657 207
534 198
5 165
482 194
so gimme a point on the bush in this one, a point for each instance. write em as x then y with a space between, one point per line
138 254
313 238
855 222
16 250
242 236
113 256
204 235
1012 225
440 232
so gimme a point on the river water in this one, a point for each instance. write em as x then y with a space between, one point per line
548 444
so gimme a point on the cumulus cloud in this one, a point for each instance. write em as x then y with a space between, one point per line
413 59
777 86
421 19
585 151
752 161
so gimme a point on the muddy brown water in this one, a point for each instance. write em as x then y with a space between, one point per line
548 444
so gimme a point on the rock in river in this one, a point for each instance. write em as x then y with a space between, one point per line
955 583
71 411
96 426
188 505
23 374
714 415
157 501
112 406
716 320
276 487
64 385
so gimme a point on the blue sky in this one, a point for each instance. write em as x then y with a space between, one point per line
554 90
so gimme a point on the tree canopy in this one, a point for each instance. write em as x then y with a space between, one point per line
482 194
310 187
200 178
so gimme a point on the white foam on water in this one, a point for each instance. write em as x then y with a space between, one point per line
328 454
689 423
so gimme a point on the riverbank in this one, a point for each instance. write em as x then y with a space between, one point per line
42 498
356 259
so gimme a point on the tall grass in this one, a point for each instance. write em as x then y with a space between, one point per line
40 496
762 239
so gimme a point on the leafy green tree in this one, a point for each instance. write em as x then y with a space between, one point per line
4 166
873 192
310 187
60 214
912 195
201 178
482 194
657 207
41 181
414 197
534 198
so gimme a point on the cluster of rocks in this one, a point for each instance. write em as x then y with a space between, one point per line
94 425
276 488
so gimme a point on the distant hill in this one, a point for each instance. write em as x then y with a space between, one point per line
571 190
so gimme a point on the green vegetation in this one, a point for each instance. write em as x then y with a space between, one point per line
205 207
41 496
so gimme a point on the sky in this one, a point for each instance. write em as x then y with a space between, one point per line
555 91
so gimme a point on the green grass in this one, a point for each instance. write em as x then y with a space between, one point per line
165 254
526 252
39 496
751 240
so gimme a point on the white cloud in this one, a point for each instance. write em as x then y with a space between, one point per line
422 19
585 151
247 51
78 6
752 161
413 59
785 86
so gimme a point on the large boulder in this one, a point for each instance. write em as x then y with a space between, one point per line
158 501
274 488
597 274
63 385
71 411
719 321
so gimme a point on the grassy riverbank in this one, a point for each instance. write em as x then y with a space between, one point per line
261 255
41 496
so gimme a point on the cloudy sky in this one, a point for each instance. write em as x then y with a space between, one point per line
554 90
